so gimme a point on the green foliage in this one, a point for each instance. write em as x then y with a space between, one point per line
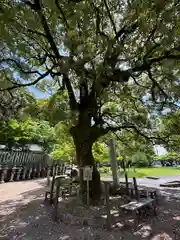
64 149
26 132
100 152
53 109
104 170
129 143
169 157
104 35
140 160
170 127
12 103
42 133
64 153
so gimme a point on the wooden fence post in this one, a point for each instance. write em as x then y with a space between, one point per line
127 184
18 173
29 173
112 152
1 174
48 175
12 174
107 206
136 188
24 173
52 184
55 215
4 174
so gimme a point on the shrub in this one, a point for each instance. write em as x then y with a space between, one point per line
104 170
140 160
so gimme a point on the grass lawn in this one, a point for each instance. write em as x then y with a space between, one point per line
151 172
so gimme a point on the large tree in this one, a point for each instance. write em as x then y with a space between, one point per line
117 60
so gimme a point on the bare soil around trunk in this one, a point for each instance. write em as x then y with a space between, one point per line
24 216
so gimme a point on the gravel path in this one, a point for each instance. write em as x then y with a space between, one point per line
150 182
23 216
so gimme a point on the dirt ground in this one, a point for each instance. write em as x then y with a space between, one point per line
24 216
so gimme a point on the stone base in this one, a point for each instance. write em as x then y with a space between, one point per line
174 184
154 178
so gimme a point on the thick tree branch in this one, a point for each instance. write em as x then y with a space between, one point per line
150 51
134 128
48 35
98 21
110 17
137 83
126 30
36 32
18 65
156 84
37 7
149 61
72 99
166 56
18 85
62 13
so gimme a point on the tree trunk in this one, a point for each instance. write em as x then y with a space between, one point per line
83 139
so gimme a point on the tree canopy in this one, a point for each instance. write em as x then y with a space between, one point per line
131 48
117 61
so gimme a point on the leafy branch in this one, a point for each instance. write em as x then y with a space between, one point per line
19 85
37 7
18 65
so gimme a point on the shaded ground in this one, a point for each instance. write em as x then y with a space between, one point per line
24 216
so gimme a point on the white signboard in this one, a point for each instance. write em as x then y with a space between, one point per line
87 173
68 171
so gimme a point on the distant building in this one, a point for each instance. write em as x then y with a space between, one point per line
30 147
160 150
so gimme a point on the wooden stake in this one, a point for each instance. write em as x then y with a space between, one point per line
87 192
112 152
136 188
56 201
52 185
108 206
127 184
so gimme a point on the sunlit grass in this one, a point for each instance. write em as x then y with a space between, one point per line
148 172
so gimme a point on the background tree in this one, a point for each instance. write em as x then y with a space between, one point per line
20 133
101 152
12 102
118 61
170 158
64 148
52 109
169 125
140 160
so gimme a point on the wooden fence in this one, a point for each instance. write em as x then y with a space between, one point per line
19 165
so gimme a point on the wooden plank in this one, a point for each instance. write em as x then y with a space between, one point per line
135 205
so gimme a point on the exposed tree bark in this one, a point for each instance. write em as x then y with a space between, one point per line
84 136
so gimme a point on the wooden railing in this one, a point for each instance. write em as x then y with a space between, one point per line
18 165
